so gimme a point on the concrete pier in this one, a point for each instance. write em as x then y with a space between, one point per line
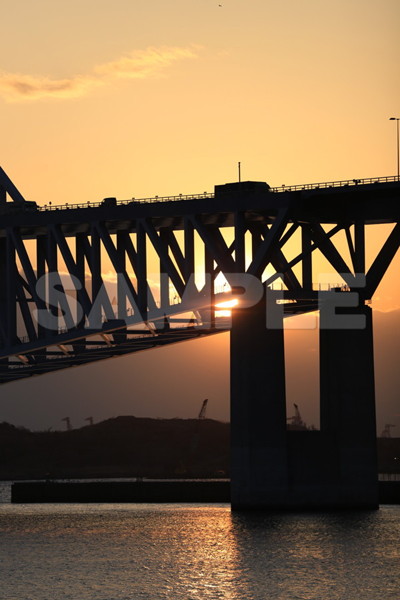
348 411
273 468
259 468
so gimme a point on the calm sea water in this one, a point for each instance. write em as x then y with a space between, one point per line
195 552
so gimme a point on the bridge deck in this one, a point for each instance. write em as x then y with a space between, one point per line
373 200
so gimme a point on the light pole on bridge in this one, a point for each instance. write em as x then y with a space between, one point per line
397 119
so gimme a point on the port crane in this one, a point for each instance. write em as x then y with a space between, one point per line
202 413
67 423
386 433
296 421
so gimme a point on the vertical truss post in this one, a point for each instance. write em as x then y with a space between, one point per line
3 289
11 274
80 254
210 275
188 249
240 230
359 247
306 263
52 267
164 278
141 275
121 288
41 270
256 241
95 266
41 246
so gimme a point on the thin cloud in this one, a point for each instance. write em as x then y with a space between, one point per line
139 64
17 87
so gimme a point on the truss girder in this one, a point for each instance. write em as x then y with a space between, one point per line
263 240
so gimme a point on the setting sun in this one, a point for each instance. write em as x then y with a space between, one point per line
225 306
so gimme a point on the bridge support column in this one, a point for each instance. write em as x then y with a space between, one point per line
258 411
348 413
273 468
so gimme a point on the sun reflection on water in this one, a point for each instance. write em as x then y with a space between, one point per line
196 552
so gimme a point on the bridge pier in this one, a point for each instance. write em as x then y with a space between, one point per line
273 468
259 469
348 411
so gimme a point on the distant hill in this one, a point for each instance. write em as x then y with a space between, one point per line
133 447
120 447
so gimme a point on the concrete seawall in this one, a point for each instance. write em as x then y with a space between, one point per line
145 491
120 491
389 492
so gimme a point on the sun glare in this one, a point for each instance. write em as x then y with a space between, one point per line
227 303
225 306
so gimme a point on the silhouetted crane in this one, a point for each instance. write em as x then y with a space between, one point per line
386 433
90 419
67 422
196 433
297 421
202 413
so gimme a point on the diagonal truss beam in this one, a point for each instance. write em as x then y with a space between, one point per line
330 252
138 261
382 261
308 247
115 258
267 248
161 247
216 245
278 259
7 187
71 266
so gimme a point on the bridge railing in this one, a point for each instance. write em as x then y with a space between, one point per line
153 199
334 184
207 195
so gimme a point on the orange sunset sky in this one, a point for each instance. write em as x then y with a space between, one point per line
133 98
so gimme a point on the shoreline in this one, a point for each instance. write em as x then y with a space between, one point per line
145 491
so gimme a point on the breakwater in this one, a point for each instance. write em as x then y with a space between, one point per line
120 491
145 491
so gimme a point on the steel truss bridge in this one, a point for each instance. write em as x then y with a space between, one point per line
81 283
243 228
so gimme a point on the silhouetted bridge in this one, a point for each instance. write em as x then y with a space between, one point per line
84 282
